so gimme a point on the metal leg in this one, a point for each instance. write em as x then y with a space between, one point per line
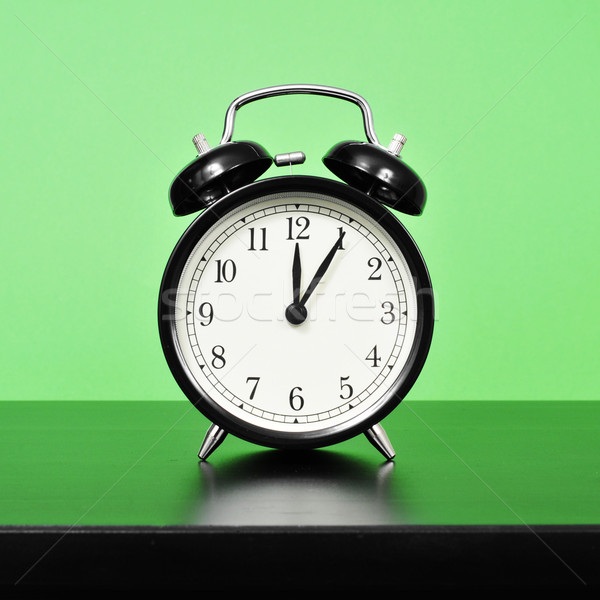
378 437
213 438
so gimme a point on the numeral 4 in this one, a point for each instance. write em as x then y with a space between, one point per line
374 357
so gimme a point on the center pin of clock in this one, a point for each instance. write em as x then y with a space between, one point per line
296 314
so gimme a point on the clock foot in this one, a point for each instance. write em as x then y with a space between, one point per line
213 438
378 437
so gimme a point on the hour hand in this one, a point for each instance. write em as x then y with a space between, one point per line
296 312
322 268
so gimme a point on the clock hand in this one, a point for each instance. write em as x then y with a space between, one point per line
296 312
296 274
322 268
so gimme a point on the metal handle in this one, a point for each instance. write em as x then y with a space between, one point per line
319 90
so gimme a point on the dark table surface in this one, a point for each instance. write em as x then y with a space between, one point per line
480 494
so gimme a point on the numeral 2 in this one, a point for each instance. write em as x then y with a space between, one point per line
375 264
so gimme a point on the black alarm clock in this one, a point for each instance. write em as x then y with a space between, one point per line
296 311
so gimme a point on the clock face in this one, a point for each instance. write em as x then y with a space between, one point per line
294 315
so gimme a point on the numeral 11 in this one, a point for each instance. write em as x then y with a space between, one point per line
261 239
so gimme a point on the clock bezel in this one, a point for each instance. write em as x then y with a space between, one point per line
328 436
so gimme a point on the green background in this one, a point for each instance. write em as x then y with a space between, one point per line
498 100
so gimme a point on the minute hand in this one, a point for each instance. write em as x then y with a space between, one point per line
296 275
321 270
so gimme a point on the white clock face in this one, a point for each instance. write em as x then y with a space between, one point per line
269 354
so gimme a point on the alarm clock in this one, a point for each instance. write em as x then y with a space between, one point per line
296 311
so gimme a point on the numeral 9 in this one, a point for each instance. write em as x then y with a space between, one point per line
205 310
